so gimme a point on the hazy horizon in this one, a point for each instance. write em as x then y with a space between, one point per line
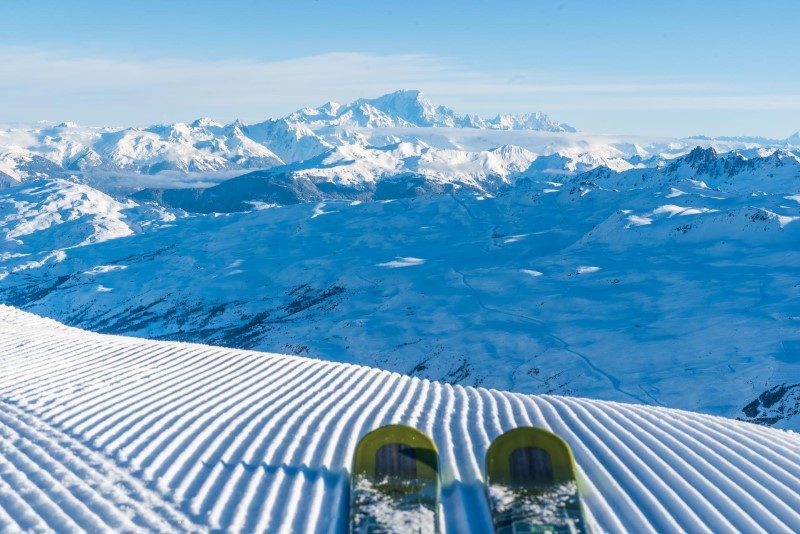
624 69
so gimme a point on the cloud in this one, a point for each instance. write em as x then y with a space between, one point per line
37 84
765 102
40 85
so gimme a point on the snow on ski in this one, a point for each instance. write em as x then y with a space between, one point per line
395 482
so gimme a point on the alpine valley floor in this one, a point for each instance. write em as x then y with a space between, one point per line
101 432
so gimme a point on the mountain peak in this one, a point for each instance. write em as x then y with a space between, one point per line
700 154
528 121
402 95
330 107
411 108
204 122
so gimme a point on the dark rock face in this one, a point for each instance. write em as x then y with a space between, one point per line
408 186
237 194
780 402
243 193
706 161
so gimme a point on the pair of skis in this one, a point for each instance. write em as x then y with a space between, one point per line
530 483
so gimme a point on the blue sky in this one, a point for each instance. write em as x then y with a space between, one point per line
671 68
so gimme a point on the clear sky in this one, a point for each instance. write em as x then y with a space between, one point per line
649 67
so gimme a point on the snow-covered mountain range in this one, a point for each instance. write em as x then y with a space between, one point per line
205 146
509 252
366 136
412 109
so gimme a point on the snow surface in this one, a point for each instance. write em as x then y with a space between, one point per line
559 293
101 432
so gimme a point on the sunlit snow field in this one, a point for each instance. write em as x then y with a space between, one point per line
673 294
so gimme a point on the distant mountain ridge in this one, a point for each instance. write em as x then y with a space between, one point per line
411 108
407 170
397 145
206 146
778 170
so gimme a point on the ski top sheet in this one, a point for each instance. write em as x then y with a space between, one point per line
395 482
531 484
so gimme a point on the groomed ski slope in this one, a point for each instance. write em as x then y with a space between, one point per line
103 432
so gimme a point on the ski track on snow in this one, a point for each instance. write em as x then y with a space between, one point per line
103 432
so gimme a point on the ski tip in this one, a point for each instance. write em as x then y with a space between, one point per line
529 452
380 441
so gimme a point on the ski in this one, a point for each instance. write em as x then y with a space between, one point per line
395 482
531 484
